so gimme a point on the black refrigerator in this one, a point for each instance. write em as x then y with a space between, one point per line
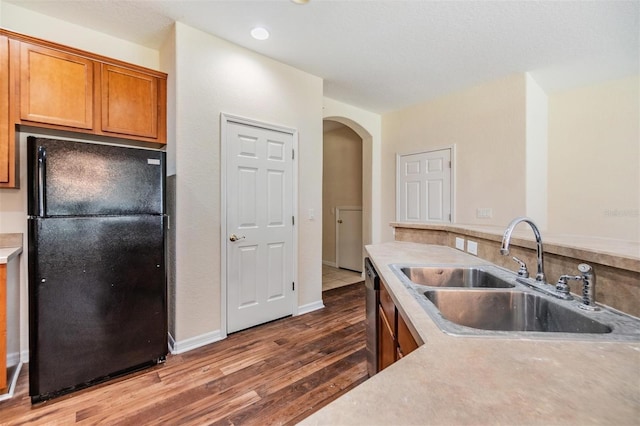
97 281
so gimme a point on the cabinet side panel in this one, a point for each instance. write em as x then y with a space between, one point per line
4 110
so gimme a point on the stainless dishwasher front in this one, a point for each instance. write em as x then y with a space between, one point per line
372 284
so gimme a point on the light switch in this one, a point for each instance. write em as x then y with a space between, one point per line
312 214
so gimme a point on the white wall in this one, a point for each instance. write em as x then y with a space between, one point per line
214 76
211 76
34 24
487 125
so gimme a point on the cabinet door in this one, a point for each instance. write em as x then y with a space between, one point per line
129 102
55 87
406 342
388 307
386 342
5 157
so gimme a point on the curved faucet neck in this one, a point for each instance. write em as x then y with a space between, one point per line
506 240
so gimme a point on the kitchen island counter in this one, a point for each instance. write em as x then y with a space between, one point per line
487 380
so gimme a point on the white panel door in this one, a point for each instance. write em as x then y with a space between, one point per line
424 187
349 238
259 199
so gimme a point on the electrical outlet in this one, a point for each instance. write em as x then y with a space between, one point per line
472 247
460 243
484 213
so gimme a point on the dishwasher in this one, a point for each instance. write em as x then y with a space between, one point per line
372 284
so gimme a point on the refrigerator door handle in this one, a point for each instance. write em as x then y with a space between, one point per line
42 170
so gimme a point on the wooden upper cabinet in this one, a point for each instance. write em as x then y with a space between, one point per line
55 87
6 144
45 84
129 102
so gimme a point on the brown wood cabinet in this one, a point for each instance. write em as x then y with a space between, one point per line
44 84
394 338
3 328
130 102
406 342
7 141
55 87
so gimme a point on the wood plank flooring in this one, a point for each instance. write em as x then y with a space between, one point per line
274 374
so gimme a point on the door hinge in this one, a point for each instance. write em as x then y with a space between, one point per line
449 217
293 286
293 220
293 154
449 164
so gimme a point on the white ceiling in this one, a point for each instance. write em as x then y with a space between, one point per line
383 55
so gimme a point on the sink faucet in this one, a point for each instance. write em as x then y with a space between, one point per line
506 239
588 278
588 287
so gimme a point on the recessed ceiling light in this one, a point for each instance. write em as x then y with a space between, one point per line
300 1
260 33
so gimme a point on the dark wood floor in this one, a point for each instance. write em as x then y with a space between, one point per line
276 373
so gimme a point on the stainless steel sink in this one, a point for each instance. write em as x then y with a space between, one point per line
511 311
454 277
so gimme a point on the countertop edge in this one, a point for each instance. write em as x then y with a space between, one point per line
7 254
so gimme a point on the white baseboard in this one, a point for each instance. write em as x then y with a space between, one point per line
310 307
13 380
14 358
182 346
328 263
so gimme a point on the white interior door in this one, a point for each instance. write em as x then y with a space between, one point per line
259 200
423 191
349 238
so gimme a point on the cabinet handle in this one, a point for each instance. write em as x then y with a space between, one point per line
42 170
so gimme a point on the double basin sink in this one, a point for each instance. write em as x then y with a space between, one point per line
490 301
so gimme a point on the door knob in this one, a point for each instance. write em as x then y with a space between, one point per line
234 237
339 220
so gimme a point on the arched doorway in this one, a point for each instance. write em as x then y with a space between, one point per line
345 207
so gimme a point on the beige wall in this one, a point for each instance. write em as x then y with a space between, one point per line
214 76
594 160
369 127
341 182
487 125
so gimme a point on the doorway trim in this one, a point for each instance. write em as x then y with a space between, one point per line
225 120
338 209
452 149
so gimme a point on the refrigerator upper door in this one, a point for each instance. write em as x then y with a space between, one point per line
97 298
78 179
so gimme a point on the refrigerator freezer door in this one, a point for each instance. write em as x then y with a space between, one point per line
78 178
97 299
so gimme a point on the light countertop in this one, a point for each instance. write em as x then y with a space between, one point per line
454 380
10 247
8 253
